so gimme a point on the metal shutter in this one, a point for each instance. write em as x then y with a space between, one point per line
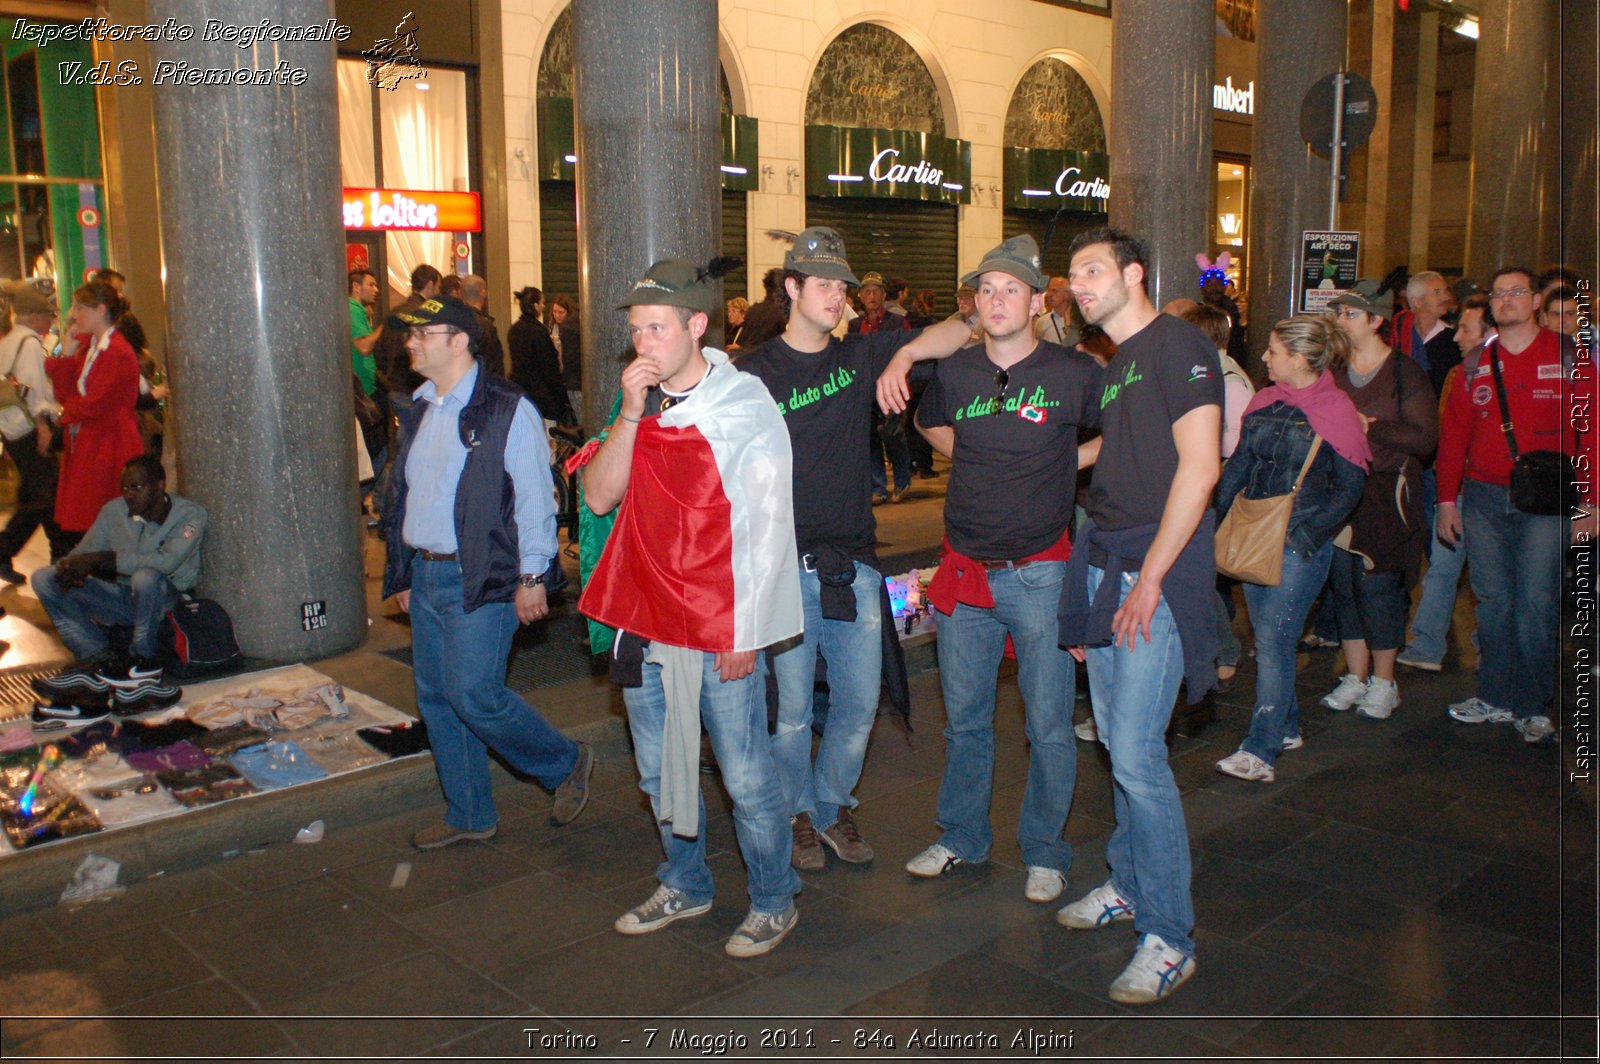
898 238
735 241
558 237
1018 221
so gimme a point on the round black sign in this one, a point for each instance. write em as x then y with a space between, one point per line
1360 112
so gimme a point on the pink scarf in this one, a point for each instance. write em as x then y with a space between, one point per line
1331 413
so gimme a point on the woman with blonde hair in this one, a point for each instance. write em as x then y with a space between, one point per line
1302 409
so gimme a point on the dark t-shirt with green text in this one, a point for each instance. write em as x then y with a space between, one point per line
1013 476
826 400
1159 374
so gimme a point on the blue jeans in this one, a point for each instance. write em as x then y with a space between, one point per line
1516 574
82 614
735 717
459 664
854 653
1278 616
971 644
1133 692
1437 606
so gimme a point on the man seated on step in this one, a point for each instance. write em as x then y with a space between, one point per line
141 553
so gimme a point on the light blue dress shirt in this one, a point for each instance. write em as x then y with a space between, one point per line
433 469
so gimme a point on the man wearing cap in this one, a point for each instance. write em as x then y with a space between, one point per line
471 533
1055 324
824 389
967 311
888 438
1008 414
697 576
1139 595
27 424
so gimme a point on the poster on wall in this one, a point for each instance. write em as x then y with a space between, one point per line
1327 267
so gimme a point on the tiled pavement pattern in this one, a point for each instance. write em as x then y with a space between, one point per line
1408 888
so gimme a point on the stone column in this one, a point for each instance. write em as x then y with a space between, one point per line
257 331
1422 141
1162 59
1297 43
1511 137
648 141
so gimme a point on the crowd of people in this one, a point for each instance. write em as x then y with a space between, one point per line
1099 448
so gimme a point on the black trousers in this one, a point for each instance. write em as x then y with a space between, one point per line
36 501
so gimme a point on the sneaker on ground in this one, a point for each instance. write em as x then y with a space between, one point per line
441 835
133 674
145 699
933 862
1382 698
844 839
1537 730
760 932
1293 742
663 907
1044 884
1346 695
1087 730
79 680
1155 972
805 852
1476 711
1242 764
1316 642
573 793
1098 908
54 716
1411 659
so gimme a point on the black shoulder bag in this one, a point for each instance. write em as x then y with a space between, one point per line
1537 476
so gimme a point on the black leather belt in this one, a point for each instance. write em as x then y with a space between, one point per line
435 556
1000 564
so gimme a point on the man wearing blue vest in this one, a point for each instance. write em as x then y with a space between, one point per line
471 533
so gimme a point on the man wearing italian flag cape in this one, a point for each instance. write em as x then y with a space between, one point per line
699 574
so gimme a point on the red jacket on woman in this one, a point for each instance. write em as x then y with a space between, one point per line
101 428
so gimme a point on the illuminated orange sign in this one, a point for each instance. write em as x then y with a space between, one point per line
388 208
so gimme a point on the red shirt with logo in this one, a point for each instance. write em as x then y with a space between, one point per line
1471 442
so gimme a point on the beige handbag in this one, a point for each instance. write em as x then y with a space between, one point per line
1250 541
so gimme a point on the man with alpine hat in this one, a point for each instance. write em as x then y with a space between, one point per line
1008 413
697 576
824 389
471 533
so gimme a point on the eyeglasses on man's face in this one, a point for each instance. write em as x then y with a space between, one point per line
1510 293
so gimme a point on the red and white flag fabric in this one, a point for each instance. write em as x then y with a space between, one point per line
702 554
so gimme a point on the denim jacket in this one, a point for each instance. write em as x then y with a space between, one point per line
1273 443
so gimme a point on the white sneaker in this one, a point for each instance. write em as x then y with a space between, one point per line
1155 972
1346 695
1537 730
1477 711
933 862
1382 698
1087 730
1098 908
1242 764
1044 884
1293 742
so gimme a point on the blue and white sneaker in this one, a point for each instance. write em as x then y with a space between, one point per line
1154 973
1101 907
62 716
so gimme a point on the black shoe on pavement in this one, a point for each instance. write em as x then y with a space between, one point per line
9 574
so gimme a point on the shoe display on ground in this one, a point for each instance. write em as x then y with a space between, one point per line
1155 972
843 837
1476 711
1412 660
1382 698
1293 742
441 835
79 681
935 861
573 793
132 675
145 699
761 932
1537 730
1346 695
805 852
1098 908
1044 884
660 909
1243 765
1087 730
54 716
